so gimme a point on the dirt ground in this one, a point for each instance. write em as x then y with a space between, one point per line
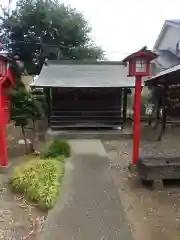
19 219
152 214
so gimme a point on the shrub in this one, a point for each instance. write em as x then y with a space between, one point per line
56 149
39 180
61 159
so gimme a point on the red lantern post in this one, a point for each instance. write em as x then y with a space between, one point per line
139 66
6 81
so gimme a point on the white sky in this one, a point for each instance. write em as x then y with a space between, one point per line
124 26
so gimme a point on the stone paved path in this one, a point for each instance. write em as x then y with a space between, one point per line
89 206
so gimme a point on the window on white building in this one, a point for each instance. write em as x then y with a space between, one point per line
178 47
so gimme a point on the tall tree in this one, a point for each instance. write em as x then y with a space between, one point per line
39 28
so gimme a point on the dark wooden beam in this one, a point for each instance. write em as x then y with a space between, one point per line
157 100
49 102
164 115
158 112
125 95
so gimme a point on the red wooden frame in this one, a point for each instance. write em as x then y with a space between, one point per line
6 81
148 56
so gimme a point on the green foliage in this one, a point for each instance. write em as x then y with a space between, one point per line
26 105
16 72
18 98
56 149
39 180
41 28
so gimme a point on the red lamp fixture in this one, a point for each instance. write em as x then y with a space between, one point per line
139 64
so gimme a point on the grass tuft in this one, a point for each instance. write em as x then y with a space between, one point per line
39 180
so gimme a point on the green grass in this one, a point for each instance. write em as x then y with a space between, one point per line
56 149
39 180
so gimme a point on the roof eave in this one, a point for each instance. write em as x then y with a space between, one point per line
142 52
160 36
164 73
83 62
166 24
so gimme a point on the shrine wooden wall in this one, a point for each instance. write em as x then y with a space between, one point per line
172 102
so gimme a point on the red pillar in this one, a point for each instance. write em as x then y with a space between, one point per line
3 147
137 113
3 122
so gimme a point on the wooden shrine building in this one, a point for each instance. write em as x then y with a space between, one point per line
166 86
85 94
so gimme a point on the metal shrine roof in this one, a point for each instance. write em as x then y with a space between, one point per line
165 72
84 74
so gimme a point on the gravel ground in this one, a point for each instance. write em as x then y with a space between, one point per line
169 146
152 214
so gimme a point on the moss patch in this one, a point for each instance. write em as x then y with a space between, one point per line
56 149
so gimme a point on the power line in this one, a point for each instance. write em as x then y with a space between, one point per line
71 47
63 46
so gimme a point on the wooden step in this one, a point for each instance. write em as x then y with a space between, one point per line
110 117
85 113
83 125
92 107
79 121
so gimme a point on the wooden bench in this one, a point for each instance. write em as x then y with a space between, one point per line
158 169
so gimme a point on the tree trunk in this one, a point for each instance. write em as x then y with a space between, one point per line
34 137
25 140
